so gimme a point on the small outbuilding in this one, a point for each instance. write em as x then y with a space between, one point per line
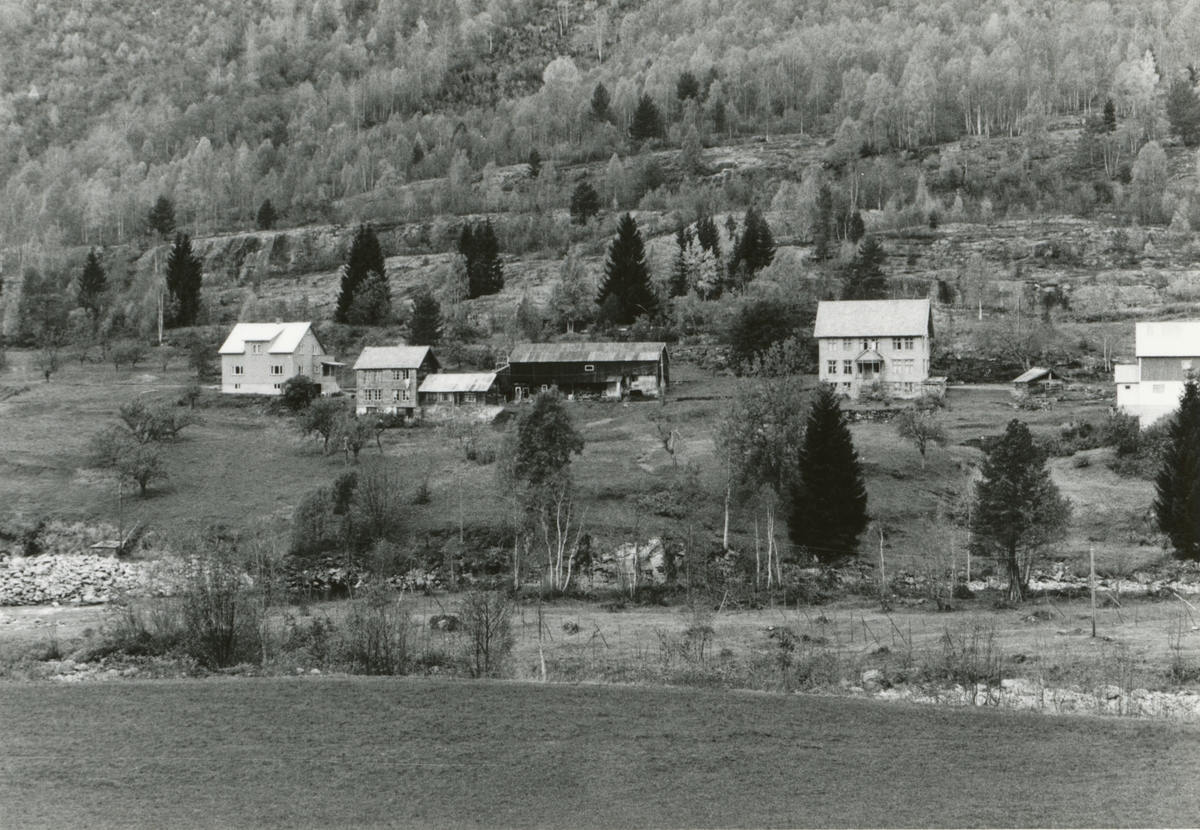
460 389
1038 381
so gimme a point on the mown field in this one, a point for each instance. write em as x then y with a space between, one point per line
318 752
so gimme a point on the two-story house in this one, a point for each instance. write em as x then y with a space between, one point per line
1168 354
864 345
257 358
388 378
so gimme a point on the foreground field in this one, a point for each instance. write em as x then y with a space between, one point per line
391 753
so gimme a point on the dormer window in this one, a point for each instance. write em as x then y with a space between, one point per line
256 348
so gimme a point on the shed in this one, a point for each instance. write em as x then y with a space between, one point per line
1038 381
459 388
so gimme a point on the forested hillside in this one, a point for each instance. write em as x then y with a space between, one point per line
220 105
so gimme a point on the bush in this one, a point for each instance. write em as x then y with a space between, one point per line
221 616
376 634
487 620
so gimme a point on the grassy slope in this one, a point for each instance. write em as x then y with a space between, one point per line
364 753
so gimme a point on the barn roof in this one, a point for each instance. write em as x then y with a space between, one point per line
1037 373
458 382
586 352
873 318
1180 338
283 337
392 357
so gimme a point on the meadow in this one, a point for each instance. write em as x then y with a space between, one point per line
337 752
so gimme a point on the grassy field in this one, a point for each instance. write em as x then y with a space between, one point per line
243 466
317 752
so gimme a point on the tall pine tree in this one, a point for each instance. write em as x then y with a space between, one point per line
267 216
625 292
481 250
425 327
829 498
93 282
162 217
680 281
1177 503
183 282
366 257
755 248
647 120
865 279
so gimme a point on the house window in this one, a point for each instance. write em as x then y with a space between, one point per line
908 342
395 394
847 344
443 397
847 367
256 348
237 386
846 388
469 397
832 368
404 374
545 388
589 367
896 343
833 345
405 395
396 373
276 369
279 386
238 370
1127 387
1159 388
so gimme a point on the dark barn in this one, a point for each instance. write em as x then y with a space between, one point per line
589 370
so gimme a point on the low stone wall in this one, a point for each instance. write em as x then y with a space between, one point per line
84 578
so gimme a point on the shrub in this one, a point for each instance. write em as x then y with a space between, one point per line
221 616
376 634
487 620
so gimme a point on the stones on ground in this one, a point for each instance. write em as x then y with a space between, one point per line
55 579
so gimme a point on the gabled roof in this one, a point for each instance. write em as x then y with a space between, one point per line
873 318
1038 373
586 352
458 382
283 337
1180 338
392 357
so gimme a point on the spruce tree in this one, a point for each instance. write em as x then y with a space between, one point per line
585 203
267 216
708 236
481 249
1110 116
535 163
366 257
1017 509
829 497
625 293
183 279
680 280
822 234
1177 503
647 120
93 282
425 327
856 229
418 153
687 86
372 303
1183 111
866 279
600 104
162 217
755 248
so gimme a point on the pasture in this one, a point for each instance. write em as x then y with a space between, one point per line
337 752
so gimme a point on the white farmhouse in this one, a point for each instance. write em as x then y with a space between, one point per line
1167 355
885 344
257 358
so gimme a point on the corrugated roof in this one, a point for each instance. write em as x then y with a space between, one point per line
872 318
458 382
283 337
391 357
1035 373
586 352
1180 338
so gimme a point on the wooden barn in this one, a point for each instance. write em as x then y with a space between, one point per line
1038 381
589 370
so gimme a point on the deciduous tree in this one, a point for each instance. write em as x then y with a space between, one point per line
921 429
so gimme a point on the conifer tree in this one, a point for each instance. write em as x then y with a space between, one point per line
372 303
856 229
93 282
755 248
1110 116
418 153
687 86
183 279
1177 485
680 280
266 218
481 250
626 292
162 217
585 203
366 257
425 327
535 163
647 120
822 232
1018 509
829 497
600 104
866 279
708 236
